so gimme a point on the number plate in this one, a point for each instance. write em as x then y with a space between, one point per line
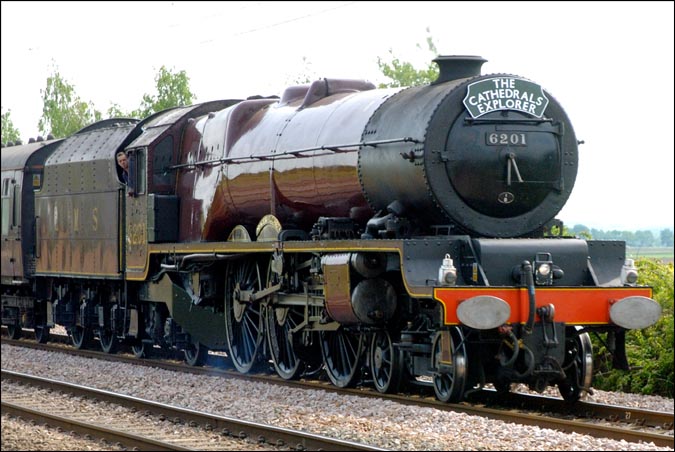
506 139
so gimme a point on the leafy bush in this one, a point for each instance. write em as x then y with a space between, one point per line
649 351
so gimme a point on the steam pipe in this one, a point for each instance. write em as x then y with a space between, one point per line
516 349
528 281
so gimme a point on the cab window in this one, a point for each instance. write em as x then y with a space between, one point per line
161 161
137 171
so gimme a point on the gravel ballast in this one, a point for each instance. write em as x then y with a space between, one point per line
376 422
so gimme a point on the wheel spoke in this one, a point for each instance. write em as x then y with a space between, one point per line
243 320
42 334
351 353
195 354
80 337
14 332
282 345
386 366
342 355
141 349
578 366
108 341
450 378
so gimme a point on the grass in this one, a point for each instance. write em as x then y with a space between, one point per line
664 254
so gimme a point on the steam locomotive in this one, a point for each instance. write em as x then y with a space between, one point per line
394 237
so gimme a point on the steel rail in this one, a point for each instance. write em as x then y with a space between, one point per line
477 406
264 433
86 428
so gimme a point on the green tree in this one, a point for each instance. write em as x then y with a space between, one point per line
403 73
666 234
579 230
9 132
173 90
626 236
644 238
63 112
649 351
115 111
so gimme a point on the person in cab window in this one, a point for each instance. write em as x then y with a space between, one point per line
123 162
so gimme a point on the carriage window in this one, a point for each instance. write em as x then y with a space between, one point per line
11 205
6 207
16 208
5 216
37 181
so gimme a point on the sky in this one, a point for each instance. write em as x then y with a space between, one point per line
609 64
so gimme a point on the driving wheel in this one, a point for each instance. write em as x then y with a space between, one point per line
14 332
386 364
80 336
42 334
244 324
342 351
108 340
195 354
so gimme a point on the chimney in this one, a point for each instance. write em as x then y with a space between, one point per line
452 67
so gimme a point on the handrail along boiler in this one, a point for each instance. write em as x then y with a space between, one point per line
393 237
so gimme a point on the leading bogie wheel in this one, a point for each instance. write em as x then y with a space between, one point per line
578 366
450 369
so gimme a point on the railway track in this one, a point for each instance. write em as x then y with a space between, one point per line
615 422
147 430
